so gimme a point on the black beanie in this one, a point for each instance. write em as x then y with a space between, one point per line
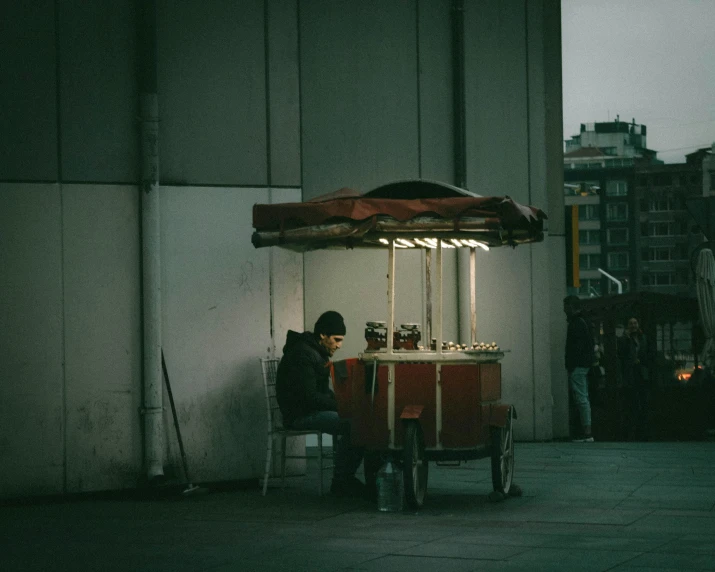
330 323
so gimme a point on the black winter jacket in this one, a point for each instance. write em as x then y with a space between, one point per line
579 343
636 356
303 378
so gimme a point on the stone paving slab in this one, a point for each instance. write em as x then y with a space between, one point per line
622 507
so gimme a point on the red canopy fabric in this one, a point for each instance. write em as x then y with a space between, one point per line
348 218
347 204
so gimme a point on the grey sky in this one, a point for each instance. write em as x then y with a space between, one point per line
652 60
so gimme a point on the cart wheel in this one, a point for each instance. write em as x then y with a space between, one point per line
503 456
415 467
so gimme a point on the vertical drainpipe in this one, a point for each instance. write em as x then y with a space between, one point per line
460 154
459 104
151 256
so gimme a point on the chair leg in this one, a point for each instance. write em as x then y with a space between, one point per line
283 461
320 464
269 456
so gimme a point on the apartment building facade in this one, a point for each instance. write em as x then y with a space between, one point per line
634 230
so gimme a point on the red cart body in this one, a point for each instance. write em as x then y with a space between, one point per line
469 404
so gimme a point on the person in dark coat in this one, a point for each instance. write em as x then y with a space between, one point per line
579 357
635 355
306 400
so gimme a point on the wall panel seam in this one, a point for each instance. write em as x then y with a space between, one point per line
300 96
529 189
419 95
267 74
63 342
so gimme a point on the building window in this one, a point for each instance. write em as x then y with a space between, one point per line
590 287
618 260
660 254
662 180
617 236
662 229
616 188
588 212
609 150
684 277
589 261
619 162
589 237
581 188
617 211
659 279
660 205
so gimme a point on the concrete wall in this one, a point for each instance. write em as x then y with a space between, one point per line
102 336
216 291
259 102
71 335
380 46
32 427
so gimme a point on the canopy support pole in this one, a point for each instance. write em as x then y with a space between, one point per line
473 295
390 341
438 366
428 295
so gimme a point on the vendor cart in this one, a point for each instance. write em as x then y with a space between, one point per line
417 402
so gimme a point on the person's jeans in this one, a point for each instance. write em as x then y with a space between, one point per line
578 380
347 458
636 399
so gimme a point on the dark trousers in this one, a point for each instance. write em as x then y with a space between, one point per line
636 412
347 458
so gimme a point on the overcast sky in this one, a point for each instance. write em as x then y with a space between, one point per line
652 60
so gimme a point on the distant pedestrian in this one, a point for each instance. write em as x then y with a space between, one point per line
635 356
579 358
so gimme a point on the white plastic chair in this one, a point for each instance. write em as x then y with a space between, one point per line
275 429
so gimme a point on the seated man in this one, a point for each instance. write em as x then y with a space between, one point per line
307 402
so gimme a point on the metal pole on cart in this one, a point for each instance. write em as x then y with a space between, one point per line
439 333
390 344
428 297
438 299
473 295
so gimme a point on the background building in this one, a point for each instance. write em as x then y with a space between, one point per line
617 143
667 234
632 216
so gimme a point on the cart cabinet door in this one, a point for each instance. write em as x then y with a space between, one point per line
461 406
343 372
367 388
490 381
416 384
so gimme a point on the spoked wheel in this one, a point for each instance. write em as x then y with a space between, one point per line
503 455
415 466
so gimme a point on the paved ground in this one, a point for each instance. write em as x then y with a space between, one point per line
586 507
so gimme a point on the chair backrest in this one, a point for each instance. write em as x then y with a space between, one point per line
269 368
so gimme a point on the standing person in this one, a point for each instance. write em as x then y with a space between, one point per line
307 402
634 353
579 358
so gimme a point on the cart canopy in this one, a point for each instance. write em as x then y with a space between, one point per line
415 214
